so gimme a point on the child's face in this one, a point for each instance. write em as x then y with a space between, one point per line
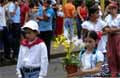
90 43
113 10
30 35
95 15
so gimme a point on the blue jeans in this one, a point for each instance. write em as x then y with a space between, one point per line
68 28
79 27
34 74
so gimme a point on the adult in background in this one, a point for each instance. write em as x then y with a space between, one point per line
113 45
69 12
10 11
82 12
24 9
45 17
33 10
3 30
59 21
14 29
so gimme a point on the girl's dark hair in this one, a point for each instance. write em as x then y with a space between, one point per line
31 4
48 1
93 9
80 2
92 34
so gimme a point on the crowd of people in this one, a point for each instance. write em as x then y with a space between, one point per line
27 29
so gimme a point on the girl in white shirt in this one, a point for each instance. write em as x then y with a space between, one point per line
113 46
90 58
33 59
97 25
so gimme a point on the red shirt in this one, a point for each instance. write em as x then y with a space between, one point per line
24 8
83 12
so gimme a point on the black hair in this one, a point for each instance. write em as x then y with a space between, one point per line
31 4
92 34
10 0
48 1
80 2
93 9
1 1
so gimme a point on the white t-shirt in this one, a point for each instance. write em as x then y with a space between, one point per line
98 26
113 22
89 61
60 13
2 17
35 56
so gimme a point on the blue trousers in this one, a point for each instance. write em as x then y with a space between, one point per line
68 28
34 74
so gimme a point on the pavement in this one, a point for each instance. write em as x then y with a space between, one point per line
55 70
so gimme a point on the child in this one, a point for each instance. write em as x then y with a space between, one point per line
33 59
113 44
91 59
59 21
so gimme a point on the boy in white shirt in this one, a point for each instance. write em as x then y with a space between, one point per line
33 59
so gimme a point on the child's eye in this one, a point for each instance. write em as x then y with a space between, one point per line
88 41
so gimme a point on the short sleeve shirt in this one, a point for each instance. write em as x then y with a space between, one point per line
98 26
90 60
47 25
113 22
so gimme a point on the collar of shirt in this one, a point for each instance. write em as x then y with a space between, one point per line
25 42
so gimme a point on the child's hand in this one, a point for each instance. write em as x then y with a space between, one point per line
72 75
19 76
79 73
40 77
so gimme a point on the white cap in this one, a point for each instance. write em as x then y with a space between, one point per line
31 25
53 2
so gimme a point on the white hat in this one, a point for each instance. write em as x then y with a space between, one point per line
53 2
31 25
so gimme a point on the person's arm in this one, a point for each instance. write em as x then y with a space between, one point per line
78 11
93 70
44 61
112 30
73 11
45 15
26 16
87 71
26 13
19 62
